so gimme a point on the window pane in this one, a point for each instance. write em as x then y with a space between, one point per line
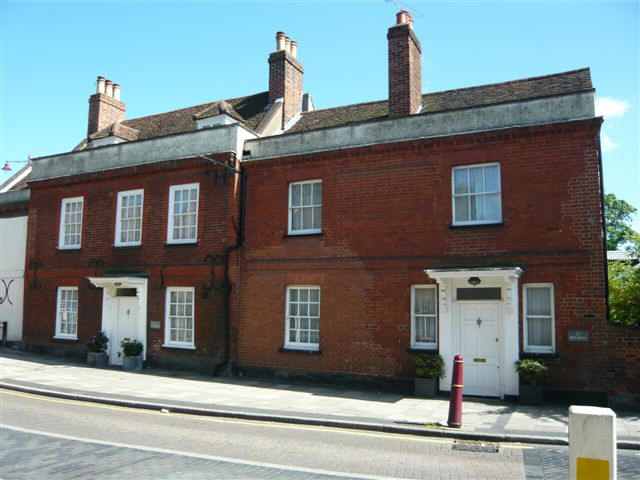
317 193
307 221
477 207
425 301
462 209
317 217
492 178
314 295
295 195
313 309
306 194
296 219
538 301
539 331
460 183
293 294
492 206
476 183
304 294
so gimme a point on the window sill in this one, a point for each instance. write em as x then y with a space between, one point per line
476 225
417 349
69 250
178 347
128 247
526 354
68 339
310 234
181 244
309 351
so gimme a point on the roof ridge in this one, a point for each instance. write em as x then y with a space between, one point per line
345 106
193 106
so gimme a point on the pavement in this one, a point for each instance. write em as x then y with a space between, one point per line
250 398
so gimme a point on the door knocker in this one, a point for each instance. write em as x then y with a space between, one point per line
479 322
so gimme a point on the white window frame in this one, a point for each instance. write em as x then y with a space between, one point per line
167 321
121 195
537 348
290 209
61 245
454 195
59 334
423 345
172 190
300 345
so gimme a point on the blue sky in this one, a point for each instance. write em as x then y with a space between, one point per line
168 55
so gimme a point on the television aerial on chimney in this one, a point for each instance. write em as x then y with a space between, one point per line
402 6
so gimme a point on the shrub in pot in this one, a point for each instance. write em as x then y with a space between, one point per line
132 351
97 345
531 372
429 369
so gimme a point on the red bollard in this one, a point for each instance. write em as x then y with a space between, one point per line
455 401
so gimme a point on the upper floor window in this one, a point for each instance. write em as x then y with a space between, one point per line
67 313
303 317
183 213
476 194
179 316
71 223
539 318
423 316
129 217
305 207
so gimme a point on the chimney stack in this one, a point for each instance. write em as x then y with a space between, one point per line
105 106
285 77
405 69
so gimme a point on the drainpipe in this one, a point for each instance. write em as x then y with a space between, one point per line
225 288
604 231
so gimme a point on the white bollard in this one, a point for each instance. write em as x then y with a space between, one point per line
592 443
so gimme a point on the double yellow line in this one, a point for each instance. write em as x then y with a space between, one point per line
344 431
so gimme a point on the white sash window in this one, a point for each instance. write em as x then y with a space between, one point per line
423 316
303 317
71 223
67 313
476 194
539 318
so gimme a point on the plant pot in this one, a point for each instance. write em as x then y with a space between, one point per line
132 363
531 394
97 359
425 387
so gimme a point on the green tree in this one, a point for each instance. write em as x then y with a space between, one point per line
617 216
624 293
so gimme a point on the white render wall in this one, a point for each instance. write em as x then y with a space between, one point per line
13 242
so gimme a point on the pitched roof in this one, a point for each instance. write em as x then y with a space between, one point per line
250 109
513 91
621 255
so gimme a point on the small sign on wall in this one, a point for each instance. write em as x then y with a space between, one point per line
578 336
154 324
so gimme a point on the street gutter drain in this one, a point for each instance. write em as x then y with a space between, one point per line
468 446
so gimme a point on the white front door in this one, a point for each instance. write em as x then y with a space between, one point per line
126 326
480 348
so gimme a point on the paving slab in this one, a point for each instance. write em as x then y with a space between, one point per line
280 400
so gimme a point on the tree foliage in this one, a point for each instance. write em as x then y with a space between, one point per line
624 293
617 215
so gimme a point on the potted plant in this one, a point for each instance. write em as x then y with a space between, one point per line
531 372
132 351
429 369
97 355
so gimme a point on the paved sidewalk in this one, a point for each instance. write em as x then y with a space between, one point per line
251 398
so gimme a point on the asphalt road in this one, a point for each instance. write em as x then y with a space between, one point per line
43 437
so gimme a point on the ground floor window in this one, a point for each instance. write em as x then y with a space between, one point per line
539 322
67 313
423 316
303 317
179 315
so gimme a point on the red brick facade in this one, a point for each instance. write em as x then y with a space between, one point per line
103 112
405 71
387 216
285 81
163 264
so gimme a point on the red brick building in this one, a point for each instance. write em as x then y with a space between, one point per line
260 234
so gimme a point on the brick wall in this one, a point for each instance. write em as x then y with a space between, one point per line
165 265
103 111
285 81
387 217
405 71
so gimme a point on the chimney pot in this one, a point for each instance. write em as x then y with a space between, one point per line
108 90
100 85
116 91
402 17
294 48
287 44
280 41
